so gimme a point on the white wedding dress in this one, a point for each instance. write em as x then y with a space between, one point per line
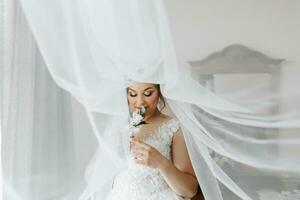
139 182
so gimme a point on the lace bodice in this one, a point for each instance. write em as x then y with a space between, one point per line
161 139
139 182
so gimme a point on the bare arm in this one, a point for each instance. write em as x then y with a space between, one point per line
180 174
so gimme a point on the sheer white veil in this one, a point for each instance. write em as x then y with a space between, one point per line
241 143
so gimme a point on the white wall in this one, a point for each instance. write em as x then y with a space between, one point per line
201 27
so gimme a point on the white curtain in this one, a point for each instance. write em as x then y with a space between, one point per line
55 148
41 137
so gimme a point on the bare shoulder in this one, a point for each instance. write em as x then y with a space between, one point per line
165 118
178 136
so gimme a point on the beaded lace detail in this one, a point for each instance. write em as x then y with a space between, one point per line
140 182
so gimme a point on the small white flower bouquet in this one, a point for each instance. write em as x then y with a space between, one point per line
137 118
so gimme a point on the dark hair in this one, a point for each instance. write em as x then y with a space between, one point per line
162 99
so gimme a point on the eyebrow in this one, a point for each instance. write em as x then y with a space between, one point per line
144 89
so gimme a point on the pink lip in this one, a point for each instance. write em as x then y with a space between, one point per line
141 107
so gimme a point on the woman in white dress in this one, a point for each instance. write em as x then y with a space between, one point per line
160 167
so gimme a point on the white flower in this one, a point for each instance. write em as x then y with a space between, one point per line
136 119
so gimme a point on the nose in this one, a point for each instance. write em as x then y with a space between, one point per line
140 102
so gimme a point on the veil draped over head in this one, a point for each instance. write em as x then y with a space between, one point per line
242 134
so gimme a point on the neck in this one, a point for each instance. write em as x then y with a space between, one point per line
151 117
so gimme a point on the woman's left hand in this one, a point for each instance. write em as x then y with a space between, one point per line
145 154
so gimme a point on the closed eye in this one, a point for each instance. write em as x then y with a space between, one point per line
132 95
148 93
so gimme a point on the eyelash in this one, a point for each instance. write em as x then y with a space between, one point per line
147 95
133 95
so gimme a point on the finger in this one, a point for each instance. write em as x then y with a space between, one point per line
141 151
133 135
141 143
138 154
132 138
140 161
140 148
136 160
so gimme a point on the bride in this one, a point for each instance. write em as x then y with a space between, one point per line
159 167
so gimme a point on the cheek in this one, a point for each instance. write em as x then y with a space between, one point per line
130 102
152 101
